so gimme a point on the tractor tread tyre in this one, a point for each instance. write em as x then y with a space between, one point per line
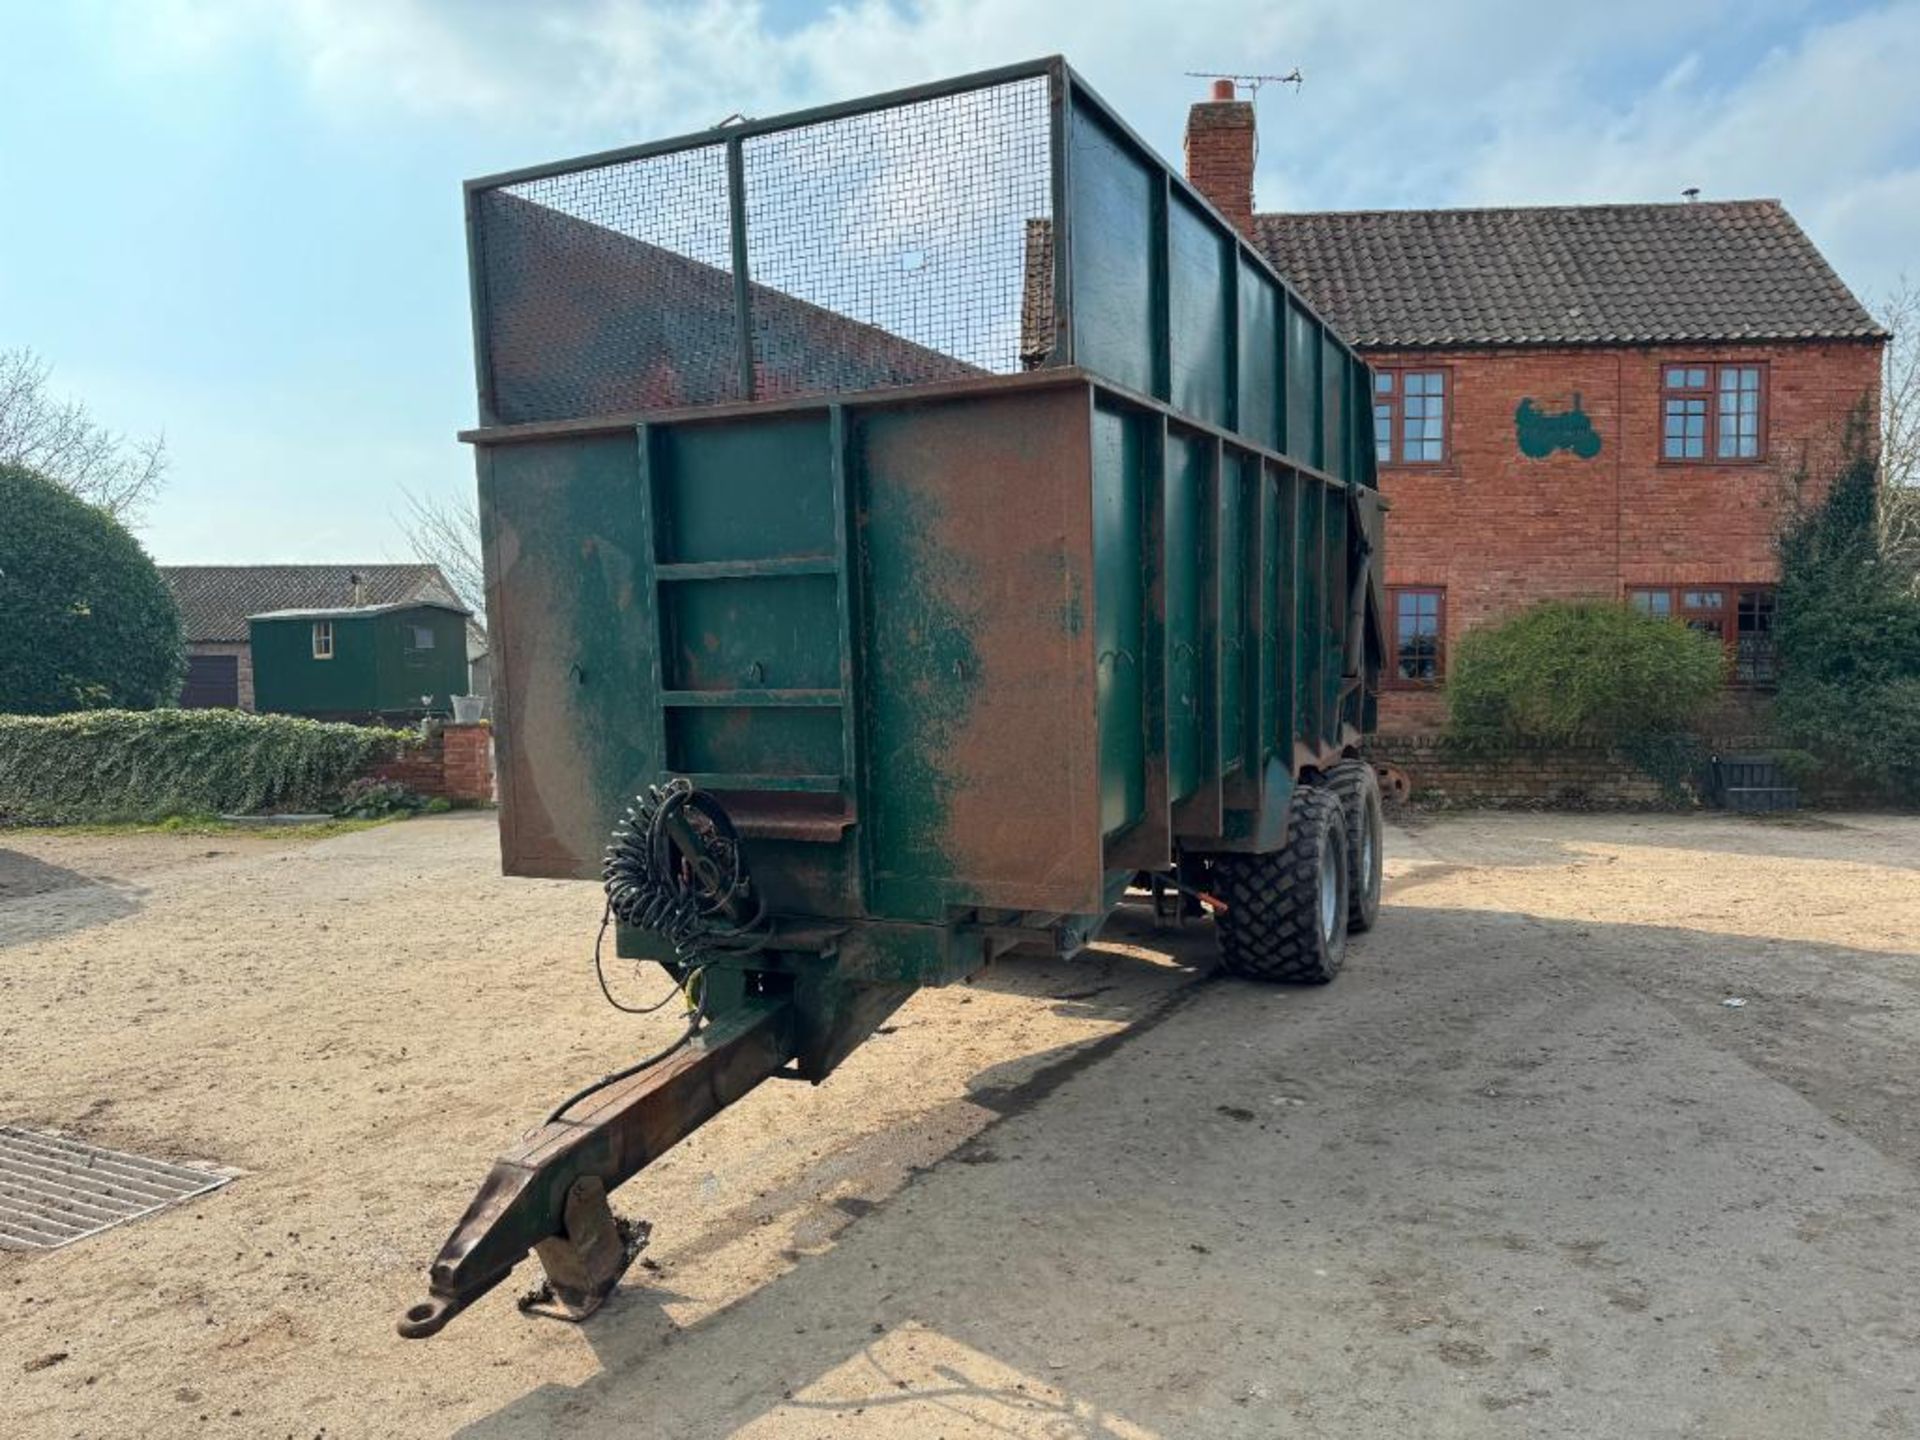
1358 787
1270 929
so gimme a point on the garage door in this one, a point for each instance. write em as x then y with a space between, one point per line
213 682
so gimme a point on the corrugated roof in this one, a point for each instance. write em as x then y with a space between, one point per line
215 600
1584 274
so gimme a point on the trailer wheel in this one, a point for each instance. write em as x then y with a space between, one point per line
1286 911
1358 787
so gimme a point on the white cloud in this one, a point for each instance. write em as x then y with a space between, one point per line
1826 123
1407 102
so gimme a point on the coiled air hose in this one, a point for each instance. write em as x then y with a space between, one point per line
674 867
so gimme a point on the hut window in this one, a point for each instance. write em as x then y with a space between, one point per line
422 637
323 639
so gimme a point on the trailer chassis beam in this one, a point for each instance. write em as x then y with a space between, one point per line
548 1194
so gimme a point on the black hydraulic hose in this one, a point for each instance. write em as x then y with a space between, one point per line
693 1025
600 974
690 892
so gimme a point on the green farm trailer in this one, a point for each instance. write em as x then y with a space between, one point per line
908 523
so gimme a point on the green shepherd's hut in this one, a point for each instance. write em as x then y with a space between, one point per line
392 663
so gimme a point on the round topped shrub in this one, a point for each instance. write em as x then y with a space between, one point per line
90 623
1570 671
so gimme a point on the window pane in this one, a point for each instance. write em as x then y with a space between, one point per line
1652 602
1383 433
1684 436
1739 413
1676 377
1423 417
1383 382
1417 635
1697 379
1702 600
1753 638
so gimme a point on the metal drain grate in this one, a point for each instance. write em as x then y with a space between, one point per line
54 1190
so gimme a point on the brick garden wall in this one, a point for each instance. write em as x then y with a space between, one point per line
453 762
1517 777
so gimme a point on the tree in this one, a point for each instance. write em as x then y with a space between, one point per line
1898 521
61 440
446 533
1847 634
89 623
1809 473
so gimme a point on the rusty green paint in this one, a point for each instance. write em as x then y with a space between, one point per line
1119 614
843 644
1190 707
952 658
566 538
921 669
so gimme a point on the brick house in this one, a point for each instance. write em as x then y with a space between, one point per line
215 602
1572 401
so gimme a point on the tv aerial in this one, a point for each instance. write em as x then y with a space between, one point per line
1252 83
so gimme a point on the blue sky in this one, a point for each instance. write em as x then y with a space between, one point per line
239 220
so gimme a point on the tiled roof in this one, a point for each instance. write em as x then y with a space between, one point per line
355 612
1586 274
215 600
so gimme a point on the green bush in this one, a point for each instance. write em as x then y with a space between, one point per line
126 765
370 799
89 622
1583 671
1847 639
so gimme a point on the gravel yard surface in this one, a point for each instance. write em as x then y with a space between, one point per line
1520 1172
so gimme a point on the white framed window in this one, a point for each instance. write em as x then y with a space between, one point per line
323 639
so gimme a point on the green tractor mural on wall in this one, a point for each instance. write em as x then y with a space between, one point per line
1541 432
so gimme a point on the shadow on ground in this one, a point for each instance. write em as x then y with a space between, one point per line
39 900
1508 1177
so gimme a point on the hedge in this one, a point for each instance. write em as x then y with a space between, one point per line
106 765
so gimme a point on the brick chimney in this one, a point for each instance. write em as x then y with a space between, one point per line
1220 148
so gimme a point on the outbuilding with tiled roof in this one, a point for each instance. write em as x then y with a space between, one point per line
216 602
